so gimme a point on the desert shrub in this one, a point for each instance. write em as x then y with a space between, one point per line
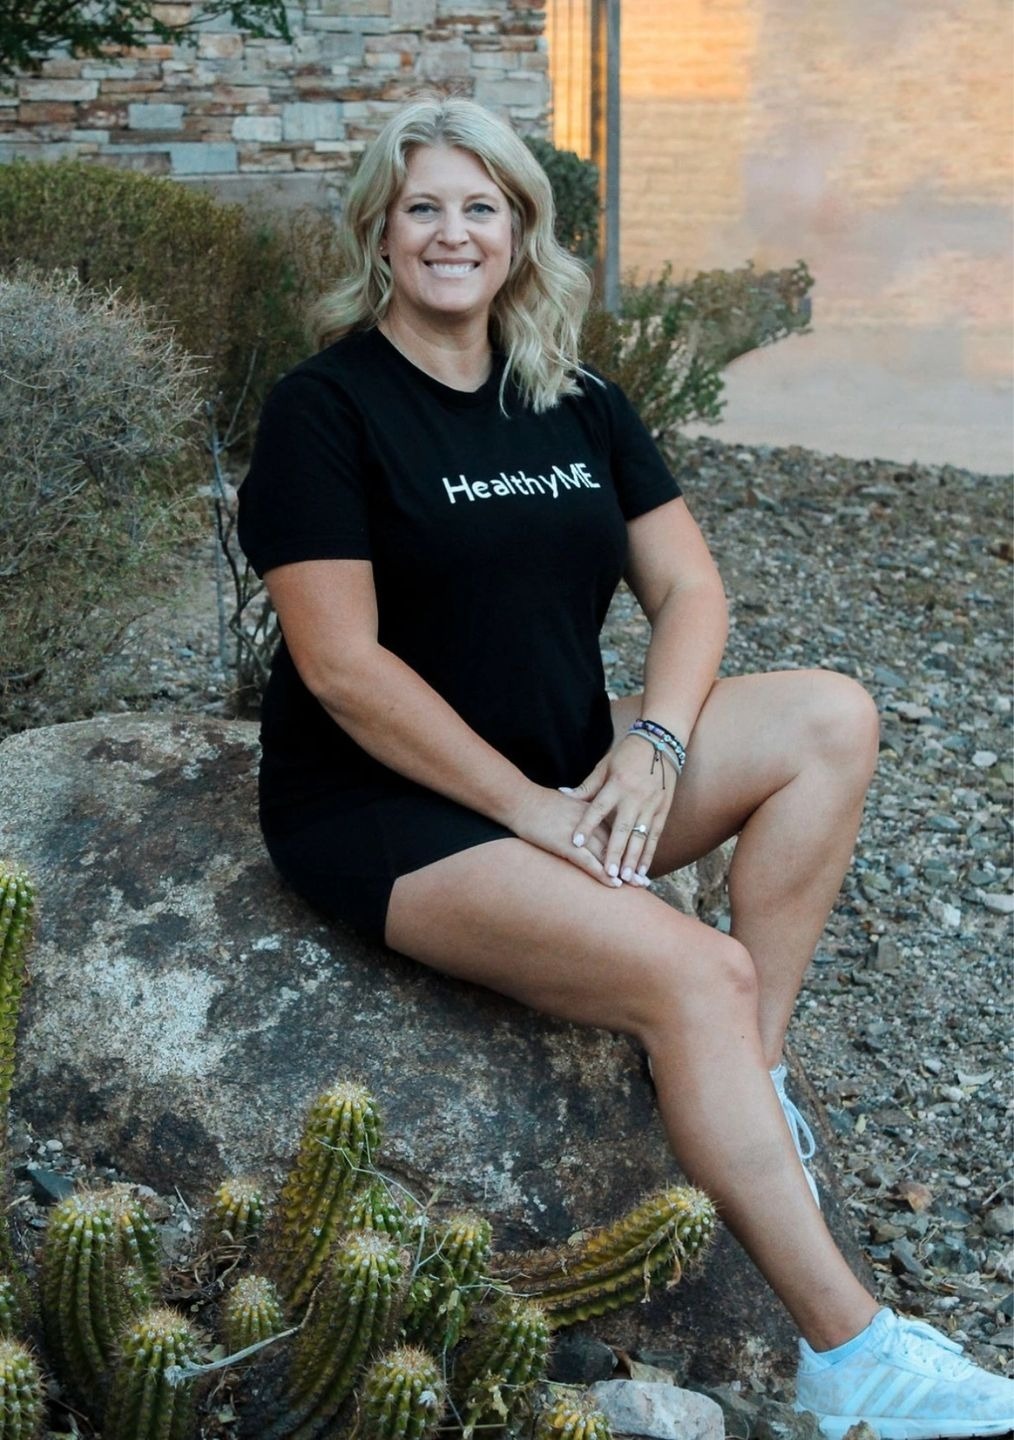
96 405
671 340
232 283
575 184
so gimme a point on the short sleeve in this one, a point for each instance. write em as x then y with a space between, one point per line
304 496
642 478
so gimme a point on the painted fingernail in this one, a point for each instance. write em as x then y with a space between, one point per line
579 838
626 873
614 870
616 881
642 870
565 790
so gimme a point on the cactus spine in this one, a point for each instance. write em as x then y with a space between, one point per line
500 1363
147 1402
253 1312
237 1211
350 1318
572 1417
403 1396
341 1133
20 1393
447 1282
615 1265
88 1293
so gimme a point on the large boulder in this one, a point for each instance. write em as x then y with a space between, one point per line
185 1007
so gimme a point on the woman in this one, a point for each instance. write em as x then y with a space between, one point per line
441 503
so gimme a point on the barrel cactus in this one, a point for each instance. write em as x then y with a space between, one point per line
149 1399
17 901
615 1265
11 1309
349 1320
21 1402
572 1416
340 1137
252 1312
448 1281
500 1363
88 1293
402 1397
137 1238
377 1207
236 1212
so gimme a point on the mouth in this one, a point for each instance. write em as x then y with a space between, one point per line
451 270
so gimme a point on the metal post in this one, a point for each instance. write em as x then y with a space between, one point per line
605 138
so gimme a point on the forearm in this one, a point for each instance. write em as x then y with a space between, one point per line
388 709
687 642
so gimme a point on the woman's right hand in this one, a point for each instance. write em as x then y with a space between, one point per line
549 819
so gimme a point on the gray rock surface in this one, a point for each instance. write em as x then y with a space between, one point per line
184 1008
662 1412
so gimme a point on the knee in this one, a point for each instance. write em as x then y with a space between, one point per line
716 985
843 725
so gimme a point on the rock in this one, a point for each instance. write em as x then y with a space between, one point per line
999 1222
1000 904
984 759
634 1407
48 1186
185 1008
862 1431
948 915
755 1417
577 1358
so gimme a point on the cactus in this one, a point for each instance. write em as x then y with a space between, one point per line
377 1208
20 1393
252 1312
147 1401
88 1293
341 1133
403 1396
350 1318
572 1417
137 1241
500 1363
447 1281
17 899
615 1265
237 1211
11 1307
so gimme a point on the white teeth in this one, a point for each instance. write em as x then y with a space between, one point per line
449 271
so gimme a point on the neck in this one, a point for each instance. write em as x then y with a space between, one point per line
460 357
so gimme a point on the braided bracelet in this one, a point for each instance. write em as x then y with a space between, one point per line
668 739
660 748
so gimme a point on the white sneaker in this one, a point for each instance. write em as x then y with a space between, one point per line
802 1135
908 1382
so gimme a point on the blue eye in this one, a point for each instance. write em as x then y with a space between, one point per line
419 207
481 208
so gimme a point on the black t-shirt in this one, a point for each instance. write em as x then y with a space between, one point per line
496 542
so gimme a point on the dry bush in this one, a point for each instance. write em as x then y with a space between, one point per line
234 283
96 406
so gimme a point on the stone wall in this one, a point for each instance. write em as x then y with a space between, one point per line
243 114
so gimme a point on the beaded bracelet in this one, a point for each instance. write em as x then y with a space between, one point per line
668 739
661 749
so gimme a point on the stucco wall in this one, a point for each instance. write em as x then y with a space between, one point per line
244 114
872 138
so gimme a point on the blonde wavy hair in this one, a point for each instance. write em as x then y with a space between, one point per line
536 315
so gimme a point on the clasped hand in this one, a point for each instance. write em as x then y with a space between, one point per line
611 823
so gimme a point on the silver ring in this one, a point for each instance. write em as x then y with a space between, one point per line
639 830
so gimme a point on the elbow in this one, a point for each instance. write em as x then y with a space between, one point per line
341 680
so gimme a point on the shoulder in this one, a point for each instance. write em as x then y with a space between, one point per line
329 383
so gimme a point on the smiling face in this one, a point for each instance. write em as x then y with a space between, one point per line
447 239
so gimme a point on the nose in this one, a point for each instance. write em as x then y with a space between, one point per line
453 229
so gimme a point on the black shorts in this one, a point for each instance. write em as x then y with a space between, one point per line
343 849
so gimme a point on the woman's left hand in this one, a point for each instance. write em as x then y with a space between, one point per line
625 792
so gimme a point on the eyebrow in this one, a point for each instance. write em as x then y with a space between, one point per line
428 195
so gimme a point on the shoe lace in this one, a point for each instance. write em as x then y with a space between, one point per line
802 1135
946 1359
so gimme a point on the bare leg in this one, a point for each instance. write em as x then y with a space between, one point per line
782 760
528 924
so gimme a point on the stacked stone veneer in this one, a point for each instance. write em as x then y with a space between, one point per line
246 114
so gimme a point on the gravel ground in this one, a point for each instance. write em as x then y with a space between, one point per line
900 577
